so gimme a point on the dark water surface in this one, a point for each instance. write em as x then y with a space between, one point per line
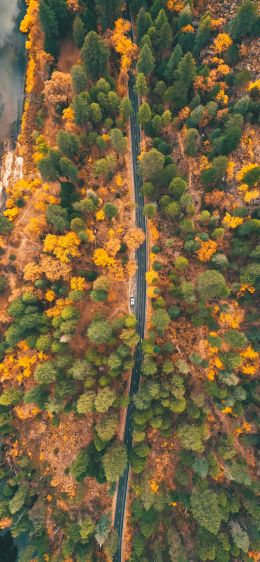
12 70
12 66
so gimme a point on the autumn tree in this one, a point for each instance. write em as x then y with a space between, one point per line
58 89
134 238
95 55
102 529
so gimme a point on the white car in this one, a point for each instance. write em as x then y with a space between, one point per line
132 301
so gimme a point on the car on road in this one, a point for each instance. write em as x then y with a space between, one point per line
132 301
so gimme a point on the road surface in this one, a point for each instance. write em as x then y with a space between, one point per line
140 313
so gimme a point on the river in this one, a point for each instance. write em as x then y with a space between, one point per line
12 66
12 71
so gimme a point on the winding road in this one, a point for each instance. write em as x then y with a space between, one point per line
140 313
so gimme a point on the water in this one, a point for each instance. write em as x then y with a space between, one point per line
12 66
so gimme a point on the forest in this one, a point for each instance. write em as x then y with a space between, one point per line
185 440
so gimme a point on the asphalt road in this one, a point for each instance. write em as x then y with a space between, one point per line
140 313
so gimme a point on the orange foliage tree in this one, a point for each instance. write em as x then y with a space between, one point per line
63 247
134 238
59 88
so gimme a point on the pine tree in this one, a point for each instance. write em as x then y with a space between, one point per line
145 62
95 55
173 62
68 143
78 31
143 22
144 113
141 85
245 20
202 35
186 70
108 12
50 27
63 15
79 78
